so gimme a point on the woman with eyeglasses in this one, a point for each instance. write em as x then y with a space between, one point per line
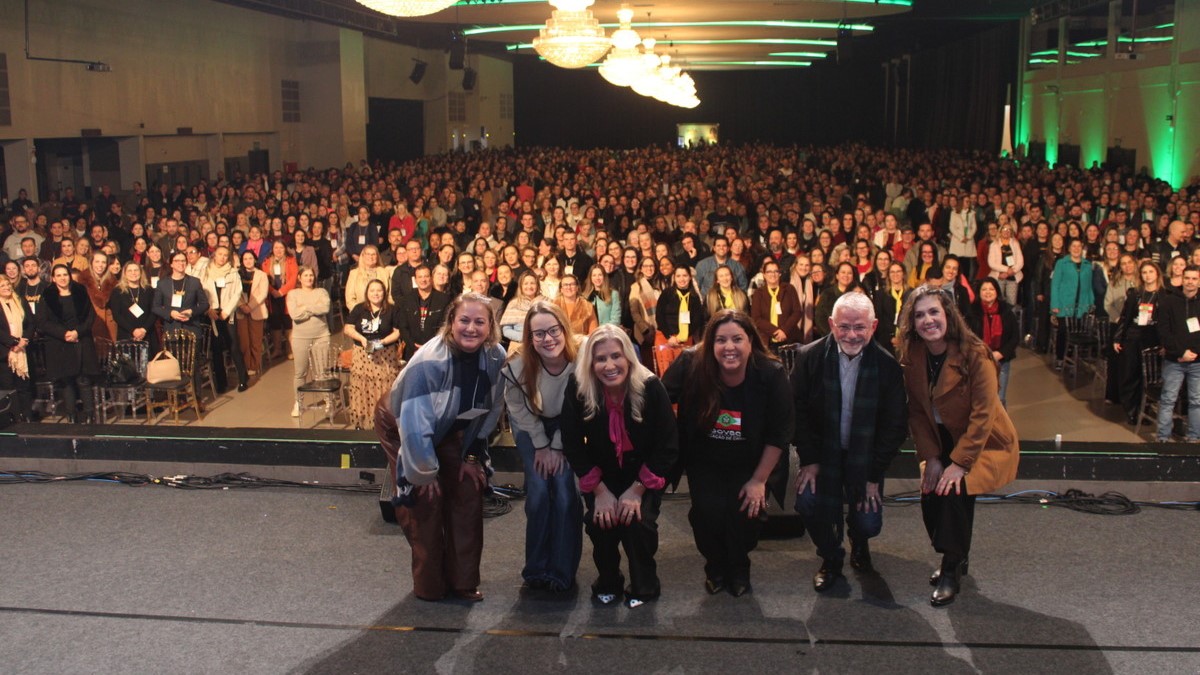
735 421
775 309
964 437
620 437
536 379
580 313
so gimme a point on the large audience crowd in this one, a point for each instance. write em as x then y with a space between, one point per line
652 240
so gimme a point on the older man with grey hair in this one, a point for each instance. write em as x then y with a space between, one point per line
851 417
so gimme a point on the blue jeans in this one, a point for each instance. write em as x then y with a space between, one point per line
828 536
553 521
1174 376
1004 372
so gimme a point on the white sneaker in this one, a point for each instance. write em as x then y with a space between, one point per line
296 409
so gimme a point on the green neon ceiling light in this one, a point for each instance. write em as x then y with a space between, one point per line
1054 52
1141 40
810 55
824 25
730 41
788 64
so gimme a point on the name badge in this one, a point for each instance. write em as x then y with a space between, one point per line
777 308
1145 313
1174 254
153 282
277 269
220 283
569 269
472 414
685 317
414 281
177 301
1008 260
362 239
1193 324
136 311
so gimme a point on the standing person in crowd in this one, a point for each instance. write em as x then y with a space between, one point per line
308 305
536 379
367 270
604 298
735 423
724 294
620 437
775 308
643 306
806 294
374 360
67 324
132 307
1006 260
1070 293
420 313
1122 280
580 313
850 421
1040 289
512 322
964 437
888 301
100 284
15 334
1137 330
845 280
223 287
181 304
451 393
280 269
253 311
680 316
963 231
1179 329
993 321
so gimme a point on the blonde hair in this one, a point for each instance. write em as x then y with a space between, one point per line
18 305
493 336
123 283
590 388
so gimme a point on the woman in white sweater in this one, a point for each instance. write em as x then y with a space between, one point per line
1005 261
308 305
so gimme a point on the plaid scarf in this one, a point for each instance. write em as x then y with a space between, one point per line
850 475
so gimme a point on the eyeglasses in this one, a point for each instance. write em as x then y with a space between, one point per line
552 332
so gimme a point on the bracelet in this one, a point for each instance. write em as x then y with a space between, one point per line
472 459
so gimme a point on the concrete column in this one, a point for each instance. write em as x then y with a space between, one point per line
131 151
20 169
215 152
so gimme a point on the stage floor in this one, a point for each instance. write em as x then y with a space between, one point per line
102 578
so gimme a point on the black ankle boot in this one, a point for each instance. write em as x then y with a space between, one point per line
937 573
947 585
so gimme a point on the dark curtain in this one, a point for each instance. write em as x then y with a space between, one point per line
958 90
824 104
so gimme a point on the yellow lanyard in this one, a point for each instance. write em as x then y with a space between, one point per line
683 308
775 309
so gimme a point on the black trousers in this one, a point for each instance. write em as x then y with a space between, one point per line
640 541
949 520
22 399
226 340
723 534
77 390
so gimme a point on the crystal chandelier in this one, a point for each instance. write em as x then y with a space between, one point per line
407 7
572 37
623 64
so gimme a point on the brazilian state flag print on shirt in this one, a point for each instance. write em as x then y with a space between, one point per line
728 426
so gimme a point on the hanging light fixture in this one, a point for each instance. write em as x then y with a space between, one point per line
572 37
624 63
407 7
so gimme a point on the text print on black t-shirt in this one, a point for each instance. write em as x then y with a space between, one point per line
728 426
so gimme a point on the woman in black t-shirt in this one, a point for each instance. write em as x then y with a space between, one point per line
375 360
735 422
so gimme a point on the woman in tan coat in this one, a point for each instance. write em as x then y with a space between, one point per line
964 438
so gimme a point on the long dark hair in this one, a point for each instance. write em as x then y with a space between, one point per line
704 390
